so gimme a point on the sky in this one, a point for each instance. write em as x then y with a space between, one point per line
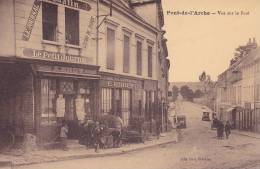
207 42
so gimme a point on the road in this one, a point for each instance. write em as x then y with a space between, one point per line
197 149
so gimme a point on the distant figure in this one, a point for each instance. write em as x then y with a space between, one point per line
97 134
221 129
117 131
64 135
227 129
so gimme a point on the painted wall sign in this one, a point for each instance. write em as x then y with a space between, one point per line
73 3
120 83
55 56
88 32
31 20
65 70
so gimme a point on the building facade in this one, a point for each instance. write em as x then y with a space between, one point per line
52 68
237 89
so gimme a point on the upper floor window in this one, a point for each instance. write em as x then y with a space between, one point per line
139 57
110 48
72 26
49 21
150 61
126 54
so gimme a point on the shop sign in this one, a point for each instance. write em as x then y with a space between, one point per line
31 20
120 82
55 56
73 3
65 70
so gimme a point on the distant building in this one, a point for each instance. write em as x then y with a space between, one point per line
238 89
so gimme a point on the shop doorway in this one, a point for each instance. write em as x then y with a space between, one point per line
70 116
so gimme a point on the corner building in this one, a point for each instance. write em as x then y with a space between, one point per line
50 69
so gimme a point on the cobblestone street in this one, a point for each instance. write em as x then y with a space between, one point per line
198 149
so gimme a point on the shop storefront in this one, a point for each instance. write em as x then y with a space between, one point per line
121 96
64 93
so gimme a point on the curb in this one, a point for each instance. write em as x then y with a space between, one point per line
74 157
242 134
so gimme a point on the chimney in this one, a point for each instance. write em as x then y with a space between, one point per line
249 42
254 43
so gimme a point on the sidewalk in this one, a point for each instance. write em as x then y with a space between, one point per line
42 156
246 133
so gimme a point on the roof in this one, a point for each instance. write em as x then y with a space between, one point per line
123 4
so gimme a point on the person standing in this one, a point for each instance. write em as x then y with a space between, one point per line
221 129
96 136
227 129
117 131
64 135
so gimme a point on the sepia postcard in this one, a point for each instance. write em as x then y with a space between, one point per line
123 84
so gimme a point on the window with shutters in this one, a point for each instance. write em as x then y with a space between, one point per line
110 49
49 21
150 61
72 26
126 54
139 57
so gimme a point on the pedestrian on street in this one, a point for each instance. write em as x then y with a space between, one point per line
64 135
97 136
117 131
221 129
227 129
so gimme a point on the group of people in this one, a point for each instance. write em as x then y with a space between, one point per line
94 134
223 128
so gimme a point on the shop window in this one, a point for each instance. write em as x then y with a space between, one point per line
48 93
150 61
72 26
106 101
126 54
126 106
49 21
110 49
139 57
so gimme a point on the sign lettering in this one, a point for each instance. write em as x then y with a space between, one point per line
88 32
55 56
31 20
74 4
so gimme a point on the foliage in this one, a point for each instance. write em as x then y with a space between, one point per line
186 93
175 92
198 93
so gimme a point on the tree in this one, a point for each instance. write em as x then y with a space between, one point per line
187 93
198 93
175 93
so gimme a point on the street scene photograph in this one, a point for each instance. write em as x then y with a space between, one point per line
123 84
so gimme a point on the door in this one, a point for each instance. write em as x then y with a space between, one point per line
70 116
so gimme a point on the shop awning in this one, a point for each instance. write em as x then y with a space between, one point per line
230 109
65 71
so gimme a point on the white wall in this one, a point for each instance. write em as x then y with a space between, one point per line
7 36
122 22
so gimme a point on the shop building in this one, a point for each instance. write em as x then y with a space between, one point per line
48 66
52 72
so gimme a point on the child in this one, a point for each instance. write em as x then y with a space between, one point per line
64 135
